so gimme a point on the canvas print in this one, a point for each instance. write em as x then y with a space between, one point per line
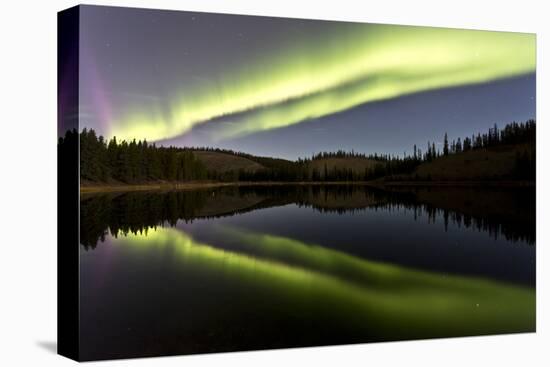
233 183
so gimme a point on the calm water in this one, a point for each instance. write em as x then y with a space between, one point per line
270 267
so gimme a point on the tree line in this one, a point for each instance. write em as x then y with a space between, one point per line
140 161
391 165
137 212
132 162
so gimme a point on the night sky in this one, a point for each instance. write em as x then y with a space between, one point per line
290 88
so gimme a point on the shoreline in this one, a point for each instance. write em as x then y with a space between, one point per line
85 189
104 188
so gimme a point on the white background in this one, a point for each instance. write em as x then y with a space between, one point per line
28 183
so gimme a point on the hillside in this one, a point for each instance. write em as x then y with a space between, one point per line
225 162
480 164
357 164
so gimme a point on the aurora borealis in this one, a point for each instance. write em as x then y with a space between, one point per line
369 290
192 78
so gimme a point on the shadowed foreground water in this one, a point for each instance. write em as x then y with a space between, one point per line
270 267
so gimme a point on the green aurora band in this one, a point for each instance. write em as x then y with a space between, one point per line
322 74
381 297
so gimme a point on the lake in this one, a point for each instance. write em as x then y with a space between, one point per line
244 268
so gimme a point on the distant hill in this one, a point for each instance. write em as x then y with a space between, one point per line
226 162
480 164
357 164
498 162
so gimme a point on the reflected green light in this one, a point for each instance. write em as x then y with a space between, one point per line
317 75
376 294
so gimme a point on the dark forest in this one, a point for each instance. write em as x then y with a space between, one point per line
135 162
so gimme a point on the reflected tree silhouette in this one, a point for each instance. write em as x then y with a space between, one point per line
136 212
